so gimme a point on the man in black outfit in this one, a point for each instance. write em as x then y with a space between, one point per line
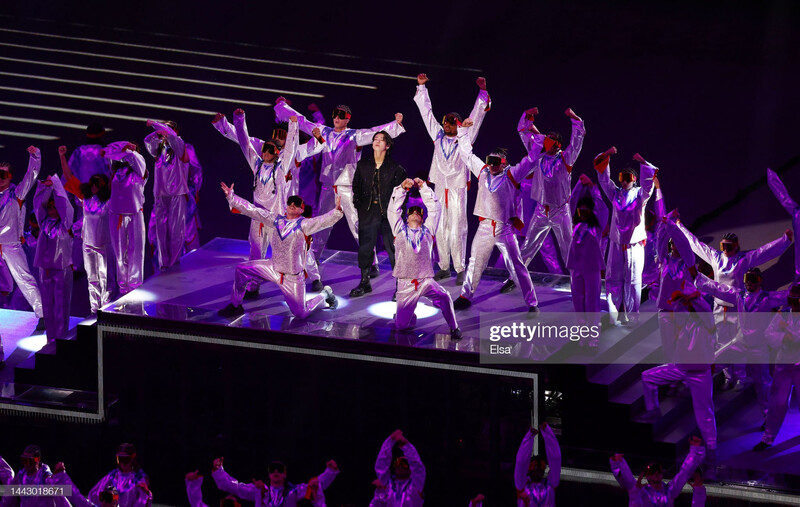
373 183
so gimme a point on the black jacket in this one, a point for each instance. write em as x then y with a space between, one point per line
391 174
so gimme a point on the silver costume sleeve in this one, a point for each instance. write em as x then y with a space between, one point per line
474 164
243 137
525 135
283 111
151 143
600 207
695 457
316 224
364 136
34 166
230 485
575 143
606 185
705 252
423 101
383 464
622 473
478 113
416 466
175 141
195 492
767 252
326 478
229 132
553 452
523 460
248 209
647 172
394 212
718 290
6 472
433 206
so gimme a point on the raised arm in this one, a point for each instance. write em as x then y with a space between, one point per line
423 101
395 211
64 207
230 485
474 164
523 461
622 472
432 205
479 109
602 164
524 168
572 151
416 466
705 252
326 478
318 223
781 194
34 165
173 139
288 156
647 172
246 208
697 452
530 136
220 123
383 464
283 111
769 251
394 128
553 452
249 151
194 489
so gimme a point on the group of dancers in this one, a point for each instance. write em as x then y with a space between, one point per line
399 471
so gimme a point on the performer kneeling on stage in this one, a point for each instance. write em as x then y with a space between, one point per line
290 247
413 245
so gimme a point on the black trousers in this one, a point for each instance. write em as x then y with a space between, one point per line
372 223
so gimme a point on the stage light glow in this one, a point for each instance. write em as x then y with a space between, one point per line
112 101
76 111
33 343
135 89
44 122
138 296
190 66
30 136
387 309
156 76
215 55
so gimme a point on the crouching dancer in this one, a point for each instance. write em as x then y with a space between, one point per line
290 247
413 245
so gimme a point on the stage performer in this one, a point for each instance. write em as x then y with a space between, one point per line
450 176
126 213
373 181
32 473
340 154
497 211
730 265
193 225
287 265
791 206
93 196
413 243
12 215
277 491
627 234
693 355
551 185
585 257
171 189
783 334
750 343
533 487
270 172
401 474
655 492
86 161
54 254
130 481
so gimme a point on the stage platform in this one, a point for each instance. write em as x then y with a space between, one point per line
162 349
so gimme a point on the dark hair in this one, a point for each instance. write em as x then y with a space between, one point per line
273 142
387 138
130 450
307 211
296 200
6 166
172 124
344 108
729 236
586 202
32 451
457 116
415 209
104 191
